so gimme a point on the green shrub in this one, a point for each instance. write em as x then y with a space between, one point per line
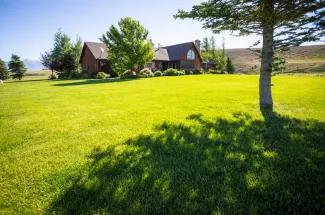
101 75
171 72
197 72
157 73
74 75
145 73
188 72
113 74
85 76
52 77
211 71
181 72
128 74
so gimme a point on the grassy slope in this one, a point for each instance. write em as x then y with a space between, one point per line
194 144
302 59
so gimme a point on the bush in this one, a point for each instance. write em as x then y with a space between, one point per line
145 73
157 73
113 74
74 75
181 72
101 75
211 71
171 72
85 76
128 74
188 72
197 72
52 77
223 72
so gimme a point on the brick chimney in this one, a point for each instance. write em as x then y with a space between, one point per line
198 45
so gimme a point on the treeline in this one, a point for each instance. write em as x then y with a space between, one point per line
16 68
209 52
63 58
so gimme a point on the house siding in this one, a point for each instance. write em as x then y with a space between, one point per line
88 60
197 61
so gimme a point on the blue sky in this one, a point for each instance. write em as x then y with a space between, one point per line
28 26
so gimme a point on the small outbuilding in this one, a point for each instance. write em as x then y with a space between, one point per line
94 57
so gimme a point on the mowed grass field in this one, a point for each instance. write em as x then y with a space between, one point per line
168 145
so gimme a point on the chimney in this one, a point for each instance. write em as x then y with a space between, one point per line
198 45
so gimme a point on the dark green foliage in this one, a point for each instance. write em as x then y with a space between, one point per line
279 63
188 72
211 71
145 73
64 56
4 74
85 76
17 67
101 75
197 72
128 74
129 46
157 74
230 66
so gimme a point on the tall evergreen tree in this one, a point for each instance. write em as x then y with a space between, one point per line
282 23
129 46
230 66
4 74
17 67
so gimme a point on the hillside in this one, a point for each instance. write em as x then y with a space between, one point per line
302 59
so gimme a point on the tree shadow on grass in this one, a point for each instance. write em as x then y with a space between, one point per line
204 166
93 81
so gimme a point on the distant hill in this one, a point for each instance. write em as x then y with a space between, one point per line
32 65
302 59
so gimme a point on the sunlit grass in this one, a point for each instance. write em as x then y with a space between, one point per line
184 145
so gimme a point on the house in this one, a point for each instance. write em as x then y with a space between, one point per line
185 56
94 57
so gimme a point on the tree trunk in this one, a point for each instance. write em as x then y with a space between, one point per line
266 101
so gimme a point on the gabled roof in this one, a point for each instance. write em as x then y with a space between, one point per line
96 50
161 54
174 52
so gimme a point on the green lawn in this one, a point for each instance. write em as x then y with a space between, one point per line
169 145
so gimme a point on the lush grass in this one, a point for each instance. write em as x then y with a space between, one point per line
168 145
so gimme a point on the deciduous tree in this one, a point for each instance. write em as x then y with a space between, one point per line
128 46
282 23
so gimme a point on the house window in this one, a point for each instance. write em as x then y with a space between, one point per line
190 55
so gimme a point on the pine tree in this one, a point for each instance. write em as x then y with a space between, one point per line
282 23
4 74
129 46
230 66
17 67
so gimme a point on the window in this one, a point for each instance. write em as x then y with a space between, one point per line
190 55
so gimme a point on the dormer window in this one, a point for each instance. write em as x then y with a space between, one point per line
190 55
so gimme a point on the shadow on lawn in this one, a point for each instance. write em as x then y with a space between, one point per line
239 166
93 81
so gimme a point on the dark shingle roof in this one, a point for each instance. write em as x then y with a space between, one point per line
95 49
176 52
